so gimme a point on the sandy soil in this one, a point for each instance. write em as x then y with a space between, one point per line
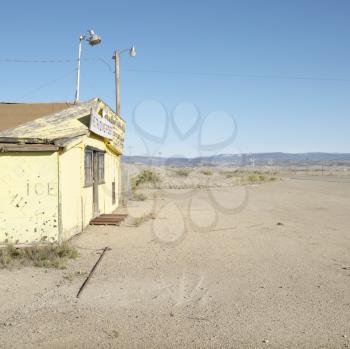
264 268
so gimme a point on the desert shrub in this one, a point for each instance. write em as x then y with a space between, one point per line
142 219
139 197
44 256
182 172
257 172
146 176
252 178
207 172
229 174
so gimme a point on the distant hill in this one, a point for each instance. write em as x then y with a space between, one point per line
259 159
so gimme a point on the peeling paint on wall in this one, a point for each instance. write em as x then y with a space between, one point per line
43 196
42 186
28 197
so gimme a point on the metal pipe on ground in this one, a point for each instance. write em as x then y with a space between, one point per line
92 271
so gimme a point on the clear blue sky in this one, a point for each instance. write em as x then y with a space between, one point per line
245 58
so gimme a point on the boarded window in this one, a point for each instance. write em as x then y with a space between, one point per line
113 193
100 167
88 168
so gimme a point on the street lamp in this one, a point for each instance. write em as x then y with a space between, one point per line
132 53
93 39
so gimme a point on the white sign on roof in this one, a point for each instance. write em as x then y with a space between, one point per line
100 125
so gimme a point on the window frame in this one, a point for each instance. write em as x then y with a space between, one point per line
114 196
88 180
101 171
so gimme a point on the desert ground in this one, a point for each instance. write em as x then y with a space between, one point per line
257 264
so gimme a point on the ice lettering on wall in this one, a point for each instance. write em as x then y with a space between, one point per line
41 189
28 199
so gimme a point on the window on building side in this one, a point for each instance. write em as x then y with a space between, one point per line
113 193
100 167
88 166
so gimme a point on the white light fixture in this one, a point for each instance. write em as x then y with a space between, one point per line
93 39
132 51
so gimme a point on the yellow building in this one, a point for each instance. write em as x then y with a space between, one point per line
59 168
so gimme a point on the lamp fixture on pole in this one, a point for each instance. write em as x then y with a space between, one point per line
93 39
132 53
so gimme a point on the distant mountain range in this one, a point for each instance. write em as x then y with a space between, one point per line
258 159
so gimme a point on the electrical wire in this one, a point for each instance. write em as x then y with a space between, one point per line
48 83
251 76
11 60
156 71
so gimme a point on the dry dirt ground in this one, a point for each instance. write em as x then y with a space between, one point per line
227 268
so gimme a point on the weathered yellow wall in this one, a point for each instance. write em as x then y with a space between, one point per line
76 199
87 205
105 190
70 172
43 195
28 197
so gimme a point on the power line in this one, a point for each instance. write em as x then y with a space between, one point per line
55 61
11 60
156 71
48 83
280 77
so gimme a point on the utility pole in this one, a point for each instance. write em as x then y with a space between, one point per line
117 83
132 53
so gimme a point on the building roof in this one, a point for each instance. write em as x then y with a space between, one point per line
65 123
57 124
15 114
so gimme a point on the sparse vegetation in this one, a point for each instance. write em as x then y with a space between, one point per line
182 172
43 256
230 174
253 178
72 275
139 197
258 178
146 176
207 172
262 178
142 219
